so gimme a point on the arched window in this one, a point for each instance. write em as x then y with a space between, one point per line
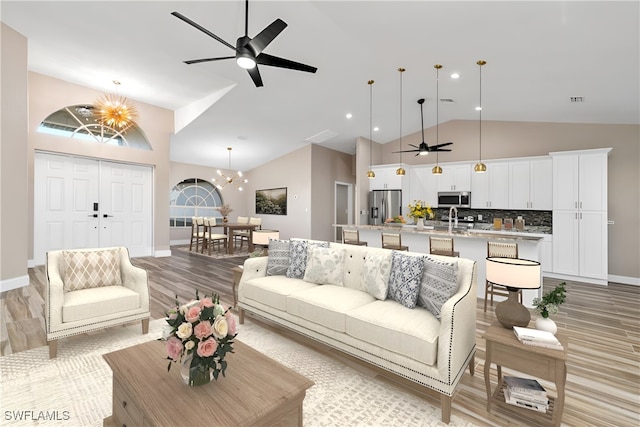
81 122
193 197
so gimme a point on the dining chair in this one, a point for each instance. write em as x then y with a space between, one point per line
197 232
503 250
210 237
243 235
393 241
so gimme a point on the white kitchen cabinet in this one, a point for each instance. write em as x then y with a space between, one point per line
531 184
546 254
455 177
423 185
386 178
580 235
491 188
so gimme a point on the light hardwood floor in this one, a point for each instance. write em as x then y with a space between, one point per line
602 323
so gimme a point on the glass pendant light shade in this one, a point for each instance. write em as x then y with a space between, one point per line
371 174
480 167
437 170
400 171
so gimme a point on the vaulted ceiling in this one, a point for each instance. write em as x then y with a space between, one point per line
539 55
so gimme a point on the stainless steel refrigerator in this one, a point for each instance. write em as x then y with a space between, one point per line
384 204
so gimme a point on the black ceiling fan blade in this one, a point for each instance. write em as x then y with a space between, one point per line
444 144
197 61
440 149
274 61
201 28
266 36
414 146
255 76
406 151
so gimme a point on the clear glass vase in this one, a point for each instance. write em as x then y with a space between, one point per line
194 375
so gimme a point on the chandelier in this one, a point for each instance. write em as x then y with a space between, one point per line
116 111
237 180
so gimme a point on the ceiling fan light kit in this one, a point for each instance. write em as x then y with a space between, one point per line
249 51
480 167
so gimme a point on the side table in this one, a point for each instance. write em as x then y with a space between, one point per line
504 349
237 275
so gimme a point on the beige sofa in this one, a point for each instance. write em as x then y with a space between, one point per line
410 342
90 289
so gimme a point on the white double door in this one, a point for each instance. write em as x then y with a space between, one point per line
89 203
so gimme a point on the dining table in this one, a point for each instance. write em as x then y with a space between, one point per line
232 227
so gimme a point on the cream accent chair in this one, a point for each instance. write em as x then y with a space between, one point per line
92 289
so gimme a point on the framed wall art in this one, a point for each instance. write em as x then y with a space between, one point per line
272 201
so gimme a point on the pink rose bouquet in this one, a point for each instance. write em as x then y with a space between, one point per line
204 331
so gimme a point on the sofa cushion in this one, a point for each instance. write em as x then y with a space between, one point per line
91 269
273 290
96 302
324 265
405 278
375 274
390 325
326 305
439 283
278 261
298 257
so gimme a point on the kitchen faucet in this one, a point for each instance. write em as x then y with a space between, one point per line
453 210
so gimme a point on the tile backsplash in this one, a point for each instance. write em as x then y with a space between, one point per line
531 218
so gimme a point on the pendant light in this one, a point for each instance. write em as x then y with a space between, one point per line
480 167
238 180
370 173
400 171
116 111
437 170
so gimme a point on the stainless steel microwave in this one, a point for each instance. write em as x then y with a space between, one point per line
459 199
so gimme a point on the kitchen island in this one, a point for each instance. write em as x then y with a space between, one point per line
469 240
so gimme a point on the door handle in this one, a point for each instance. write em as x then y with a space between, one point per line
106 216
95 215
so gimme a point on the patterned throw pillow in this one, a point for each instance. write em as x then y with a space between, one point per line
404 281
375 274
298 257
91 269
278 257
439 283
324 265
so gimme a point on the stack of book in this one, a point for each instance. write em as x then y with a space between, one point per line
525 393
537 338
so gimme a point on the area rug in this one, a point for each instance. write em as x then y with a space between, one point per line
75 389
238 252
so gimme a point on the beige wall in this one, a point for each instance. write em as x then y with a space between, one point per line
519 139
13 158
47 94
327 167
230 195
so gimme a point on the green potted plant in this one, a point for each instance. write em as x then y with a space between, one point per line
548 305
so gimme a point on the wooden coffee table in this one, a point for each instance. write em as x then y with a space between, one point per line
257 390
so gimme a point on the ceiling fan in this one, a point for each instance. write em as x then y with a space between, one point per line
423 149
249 51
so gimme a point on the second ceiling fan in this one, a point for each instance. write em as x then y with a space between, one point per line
423 149
249 51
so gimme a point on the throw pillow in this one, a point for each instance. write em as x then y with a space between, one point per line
278 262
405 277
298 257
91 269
324 266
375 274
439 283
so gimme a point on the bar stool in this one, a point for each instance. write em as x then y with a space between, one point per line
442 246
210 237
197 231
352 237
503 250
393 241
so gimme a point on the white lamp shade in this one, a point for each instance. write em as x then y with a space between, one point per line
262 237
513 272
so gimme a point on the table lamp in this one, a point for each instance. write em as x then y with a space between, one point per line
262 237
514 274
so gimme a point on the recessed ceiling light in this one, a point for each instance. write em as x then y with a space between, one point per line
455 76
376 129
349 115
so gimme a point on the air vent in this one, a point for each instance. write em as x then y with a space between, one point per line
323 136
446 100
576 99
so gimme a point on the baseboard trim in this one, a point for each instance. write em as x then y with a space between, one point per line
179 242
625 280
599 282
162 254
14 283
